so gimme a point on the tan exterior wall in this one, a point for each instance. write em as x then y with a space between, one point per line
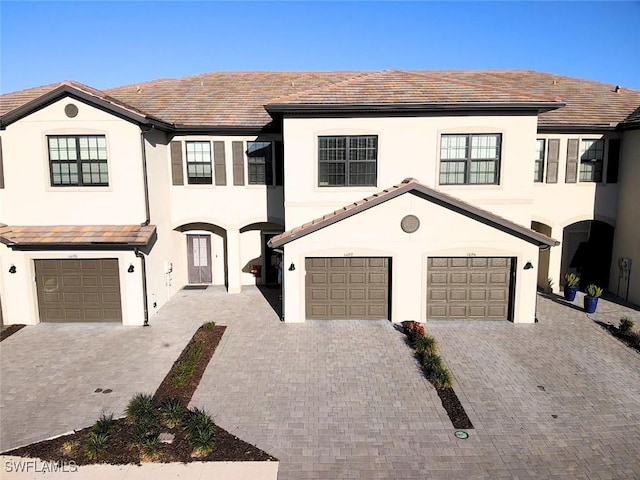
29 198
377 232
626 241
409 147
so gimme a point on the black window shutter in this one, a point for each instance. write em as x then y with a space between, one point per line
177 174
279 162
613 160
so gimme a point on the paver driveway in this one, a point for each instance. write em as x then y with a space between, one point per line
342 400
338 400
49 372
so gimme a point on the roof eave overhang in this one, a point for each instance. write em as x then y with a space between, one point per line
76 246
635 125
224 129
305 108
66 90
576 128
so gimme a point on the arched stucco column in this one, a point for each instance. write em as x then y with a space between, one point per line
233 261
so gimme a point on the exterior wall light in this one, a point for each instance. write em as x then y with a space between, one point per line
292 267
130 269
12 269
528 266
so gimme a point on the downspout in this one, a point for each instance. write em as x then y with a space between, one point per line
143 264
144 175
147 220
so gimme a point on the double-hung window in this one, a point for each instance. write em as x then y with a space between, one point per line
470 159
347 161
259 163
591 159
199 162
78 160
538 170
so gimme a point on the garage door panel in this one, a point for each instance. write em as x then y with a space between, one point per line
338 294
479 262
468 287
78 290
477 295
355 288
459 278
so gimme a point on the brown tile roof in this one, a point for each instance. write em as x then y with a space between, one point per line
587 102
12 101
42 235
412 185
222 99
238 99
401 87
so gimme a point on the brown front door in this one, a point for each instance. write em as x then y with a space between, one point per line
199 258
82 290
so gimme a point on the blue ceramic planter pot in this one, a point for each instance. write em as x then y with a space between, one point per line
570 293
590 304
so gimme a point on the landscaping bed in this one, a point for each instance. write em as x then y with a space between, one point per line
426 351
624 332
151 420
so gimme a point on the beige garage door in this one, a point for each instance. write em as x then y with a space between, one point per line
78 290
347 288
468 287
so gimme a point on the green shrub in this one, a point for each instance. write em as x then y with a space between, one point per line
96 443
104 424
185 369
594 290
141 406
150 447
626 326
210 326
426 345
635 339
440 376
145 429
201 431
172 413
431 362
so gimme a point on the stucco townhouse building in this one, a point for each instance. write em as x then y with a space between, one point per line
399 195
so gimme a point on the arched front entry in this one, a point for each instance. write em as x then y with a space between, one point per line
586 249
259 254
206 253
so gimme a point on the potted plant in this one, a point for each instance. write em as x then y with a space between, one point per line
591 298
571 282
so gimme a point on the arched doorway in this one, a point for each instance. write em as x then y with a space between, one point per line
586 249
206 253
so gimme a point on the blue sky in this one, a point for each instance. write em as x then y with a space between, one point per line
107 44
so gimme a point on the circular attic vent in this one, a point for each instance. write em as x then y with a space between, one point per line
71 110
410 223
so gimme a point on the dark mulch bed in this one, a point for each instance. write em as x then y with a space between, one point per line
454 408
628 340
120 449
167 389
10 330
